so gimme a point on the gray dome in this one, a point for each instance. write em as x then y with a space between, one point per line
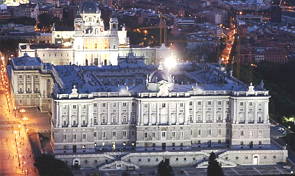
89 7
158 76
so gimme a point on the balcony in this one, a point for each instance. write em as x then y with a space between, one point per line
84 125
65 125
75 125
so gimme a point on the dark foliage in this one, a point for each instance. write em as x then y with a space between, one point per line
279 81
47 165
214 168
46 21
10 45
164 168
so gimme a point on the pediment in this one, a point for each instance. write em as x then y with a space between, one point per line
224 163
119 165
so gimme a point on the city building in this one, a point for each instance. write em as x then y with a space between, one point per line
276 14
26 10
32 82
135 115
90 43
15 2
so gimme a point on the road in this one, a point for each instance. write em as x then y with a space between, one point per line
226 53
16 157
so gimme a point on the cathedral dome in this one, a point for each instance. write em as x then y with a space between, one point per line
157 76
89 7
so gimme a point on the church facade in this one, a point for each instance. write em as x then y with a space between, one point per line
90 43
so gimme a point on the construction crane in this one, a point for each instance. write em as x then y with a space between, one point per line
162 29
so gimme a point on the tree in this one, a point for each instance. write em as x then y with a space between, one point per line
214 168
45 22
47 165
164 168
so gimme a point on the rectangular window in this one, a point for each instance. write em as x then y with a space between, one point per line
104 134
163 105
219 103
209 102
84 136
124 104
124 133
74 106
94 134
114 134
181 104
124 119
173 134
95 104
199 103
163 134
145 135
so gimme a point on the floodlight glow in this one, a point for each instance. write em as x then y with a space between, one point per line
170 62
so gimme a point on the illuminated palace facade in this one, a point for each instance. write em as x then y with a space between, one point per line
90 43
135 115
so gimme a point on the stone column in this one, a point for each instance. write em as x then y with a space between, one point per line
108 113
168 113
139 117
150 114
158 114
186 113
70 114
141 114
236 114
119 112
32 84
58 121
194 112
214 111
246 111
90 115
98 113
266 118
255 112
177 111
224 116
79 115
203 112
129 112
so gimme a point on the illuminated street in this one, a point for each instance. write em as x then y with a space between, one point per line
225 55
16 154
